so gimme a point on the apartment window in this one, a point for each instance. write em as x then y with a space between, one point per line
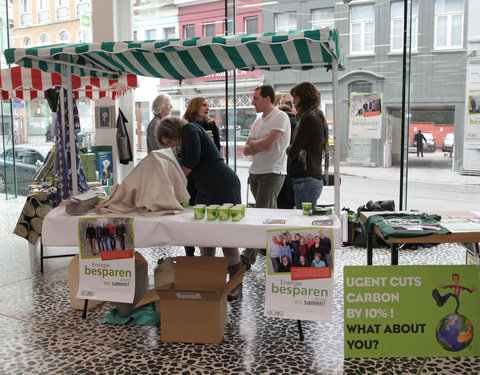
251 25
362 29
135 35
27 42
189 31
323 18
169 32
230 29
150 34
396 26
285 21
44 39
63 37
448 24
43 13
62 10
209 30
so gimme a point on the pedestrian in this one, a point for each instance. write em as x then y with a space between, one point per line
419 138
266 143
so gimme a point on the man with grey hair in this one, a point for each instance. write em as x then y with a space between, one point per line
161 107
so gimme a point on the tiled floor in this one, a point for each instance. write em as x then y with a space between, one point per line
41 334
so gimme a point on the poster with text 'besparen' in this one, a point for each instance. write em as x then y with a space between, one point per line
299 277
410 311
107 260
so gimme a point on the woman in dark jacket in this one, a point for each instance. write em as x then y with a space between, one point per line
309 145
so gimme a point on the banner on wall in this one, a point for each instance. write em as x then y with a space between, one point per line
412 311
365 116
472 125
299 277
107 262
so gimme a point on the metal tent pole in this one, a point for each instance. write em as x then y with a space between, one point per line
335 136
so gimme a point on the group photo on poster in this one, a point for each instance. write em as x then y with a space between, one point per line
299 249
104 234
299 278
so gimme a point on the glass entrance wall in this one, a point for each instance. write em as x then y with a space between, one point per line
434 77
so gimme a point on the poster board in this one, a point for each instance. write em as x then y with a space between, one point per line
294 290
412 311
107 261
365 115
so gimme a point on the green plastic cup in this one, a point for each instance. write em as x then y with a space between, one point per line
236 213
199 211
186 204
224 213
307 208
212 212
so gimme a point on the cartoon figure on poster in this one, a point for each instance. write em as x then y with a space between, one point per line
101 235
454 331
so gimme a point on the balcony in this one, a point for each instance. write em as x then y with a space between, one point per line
43 16
63 13
26 19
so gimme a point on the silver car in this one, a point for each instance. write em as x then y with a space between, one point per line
28 159
448 141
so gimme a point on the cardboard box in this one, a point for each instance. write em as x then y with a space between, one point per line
194 307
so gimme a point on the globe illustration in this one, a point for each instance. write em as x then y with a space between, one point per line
454 332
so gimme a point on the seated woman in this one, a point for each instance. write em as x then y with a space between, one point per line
285 265
214 181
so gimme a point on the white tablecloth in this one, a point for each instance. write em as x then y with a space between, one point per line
60 229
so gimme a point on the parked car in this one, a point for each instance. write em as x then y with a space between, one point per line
28 158
429 146
448 140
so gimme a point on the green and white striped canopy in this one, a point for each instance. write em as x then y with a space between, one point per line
187 58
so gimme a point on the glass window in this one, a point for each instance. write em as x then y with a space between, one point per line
44 39
189 31
26 6
27 42
285 21
32 156
209 30
150 34
396 26
323 18
251 25
63 37
43 4
448 24
362 29
169 33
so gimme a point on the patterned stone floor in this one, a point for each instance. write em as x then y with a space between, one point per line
41 334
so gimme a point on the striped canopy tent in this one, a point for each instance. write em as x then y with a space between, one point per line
187 58
180 59
28 84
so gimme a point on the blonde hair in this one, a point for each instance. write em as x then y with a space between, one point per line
160 102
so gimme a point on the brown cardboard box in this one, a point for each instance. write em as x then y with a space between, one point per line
194 307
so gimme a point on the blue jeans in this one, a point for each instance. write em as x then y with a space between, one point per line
307 189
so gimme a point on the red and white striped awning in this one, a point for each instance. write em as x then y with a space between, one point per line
27 84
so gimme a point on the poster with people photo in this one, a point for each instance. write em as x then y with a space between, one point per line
365 115
107 262
299 281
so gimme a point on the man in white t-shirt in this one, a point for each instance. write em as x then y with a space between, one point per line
267 141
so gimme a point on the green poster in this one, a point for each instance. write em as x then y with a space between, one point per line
411 311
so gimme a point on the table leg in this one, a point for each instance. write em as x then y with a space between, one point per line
369 249
394 254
